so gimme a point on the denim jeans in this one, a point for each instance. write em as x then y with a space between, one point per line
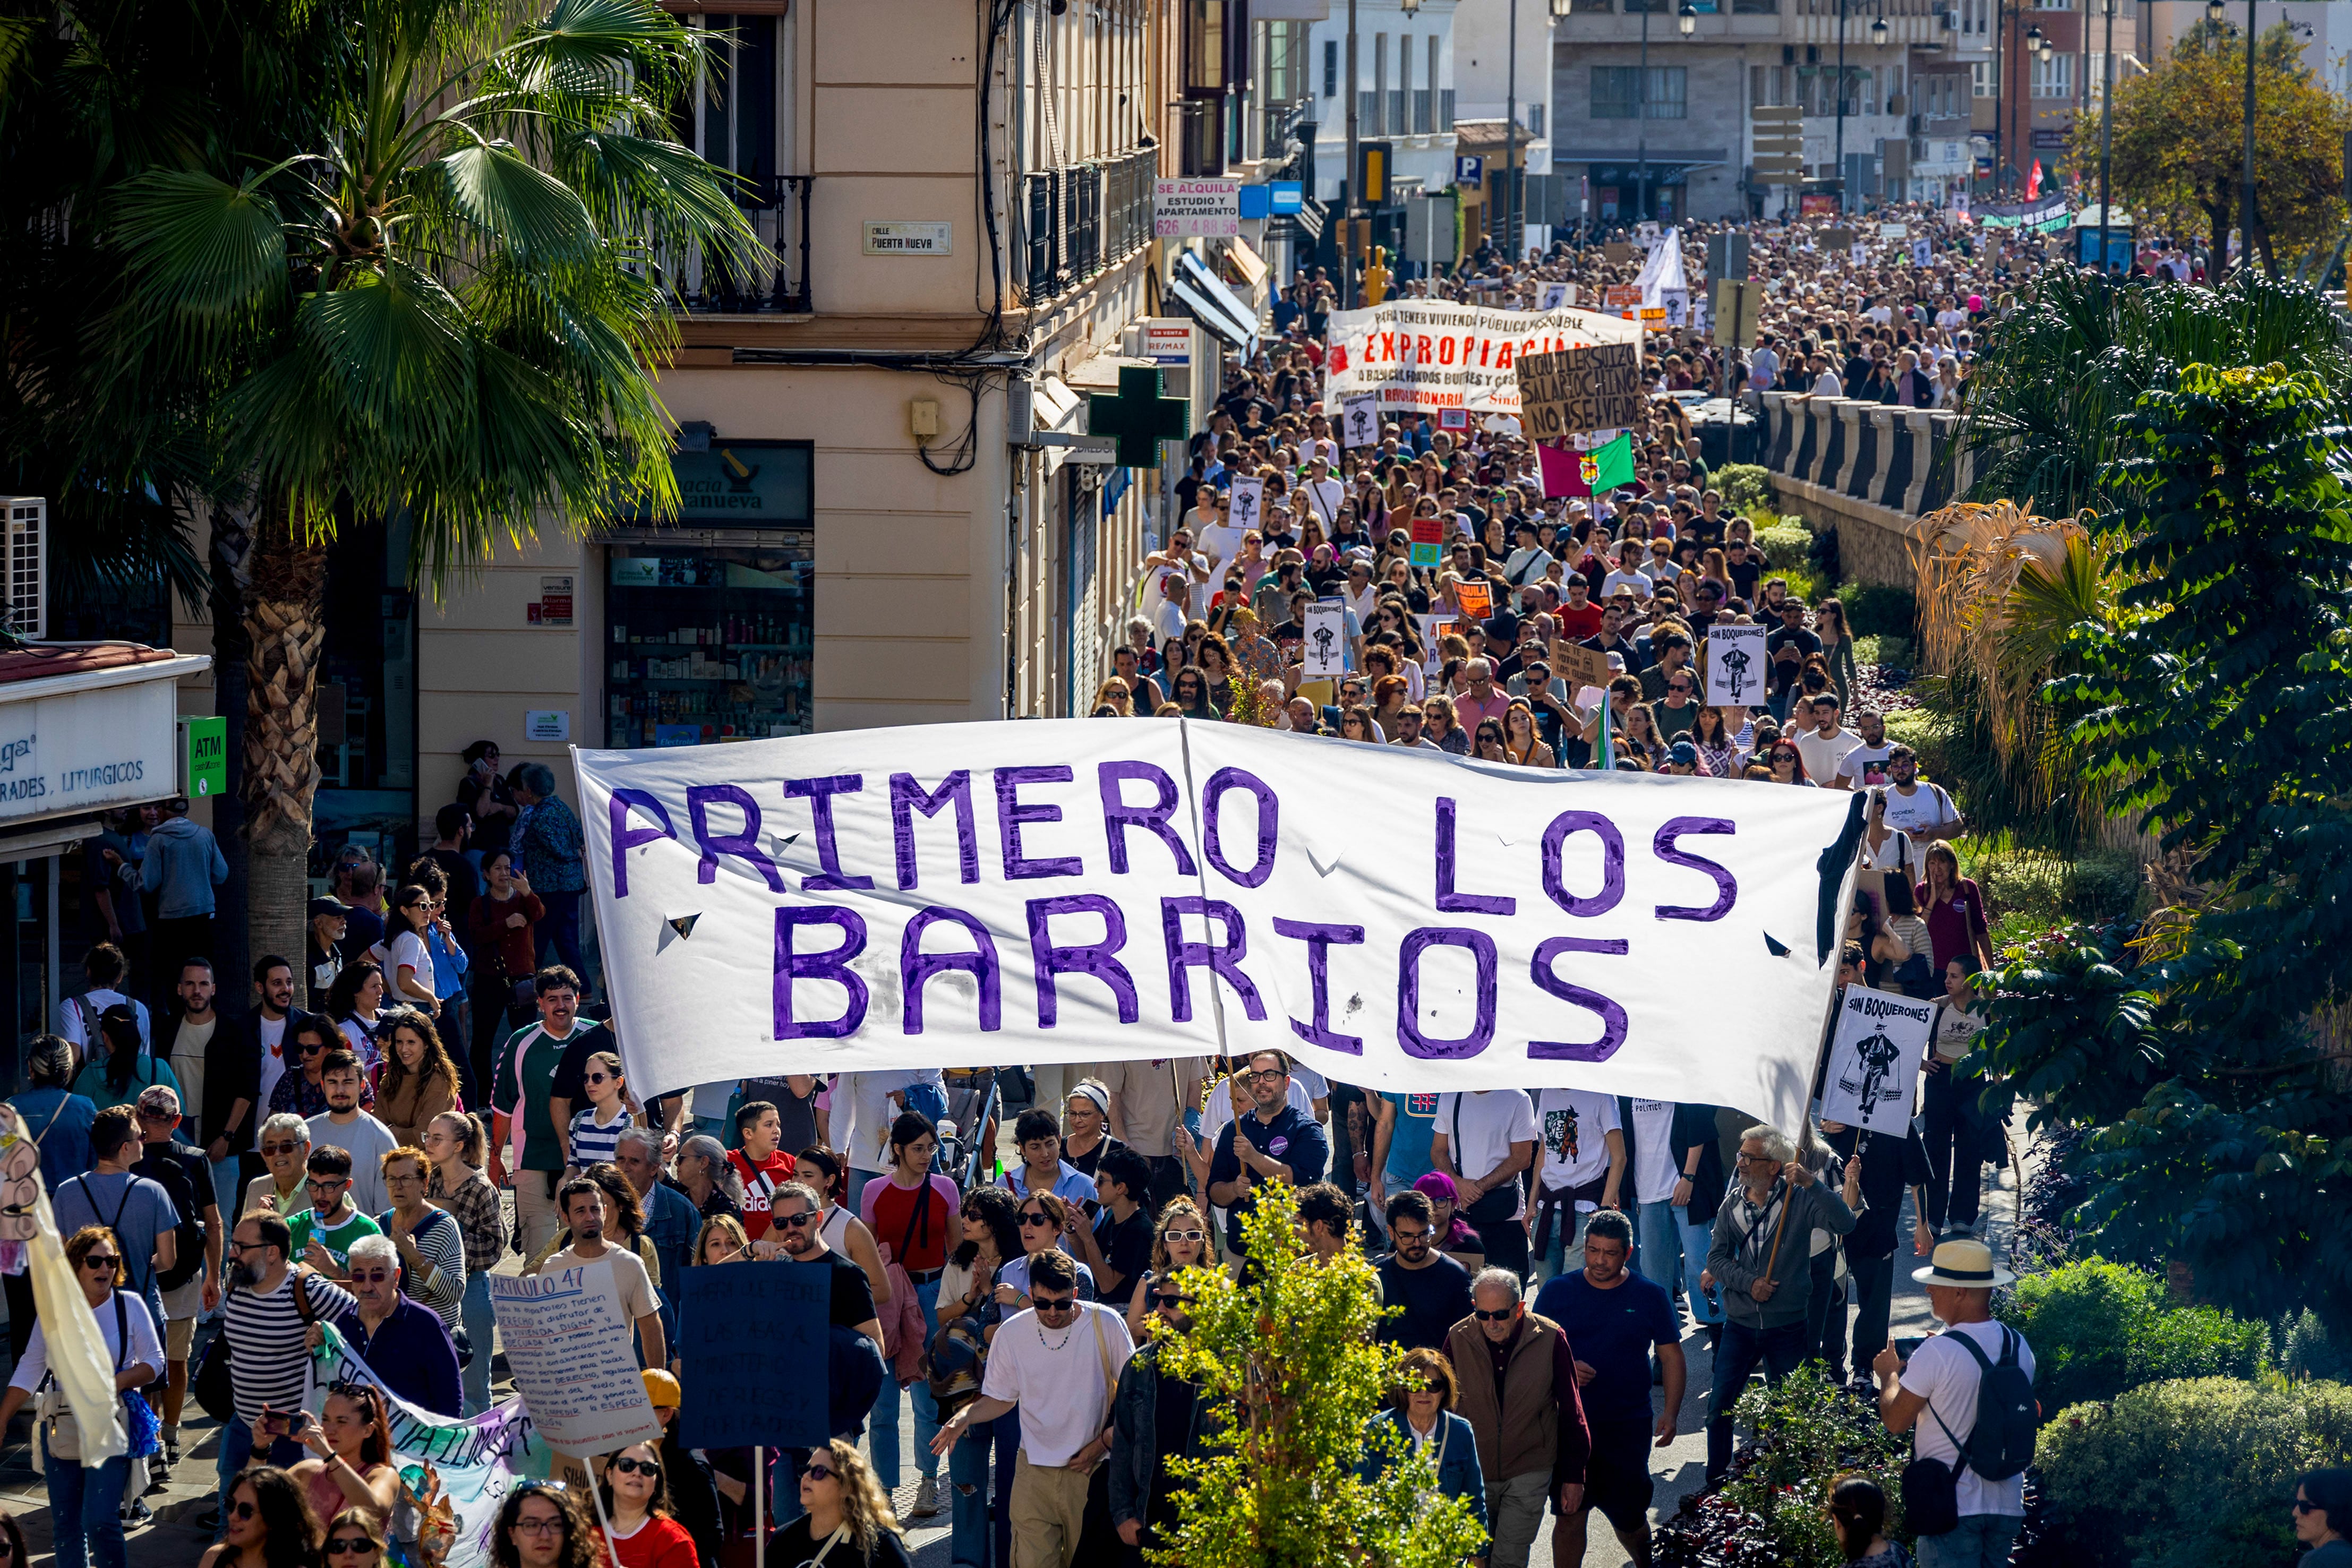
1777 1350
927 1410
236 1448
85 1511
1979 1540
973 1506
1667 1246
474 1315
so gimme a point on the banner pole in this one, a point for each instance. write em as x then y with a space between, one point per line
759 1508
604 1522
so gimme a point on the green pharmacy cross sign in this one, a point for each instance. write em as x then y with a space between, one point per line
1138 416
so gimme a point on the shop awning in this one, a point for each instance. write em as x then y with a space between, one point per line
1056 405
1213 303
85 727
1245 262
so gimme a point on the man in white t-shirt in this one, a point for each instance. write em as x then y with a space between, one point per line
1864 766
1483 1140
191 1040
1923 810
583 1207
1933 1396
1824 743
1580 1170
1321 495
1057 1363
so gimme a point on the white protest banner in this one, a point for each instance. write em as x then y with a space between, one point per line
1360 420
1735 666
455 1474
1663 272
1430 354
1324 651
1249 500
1065 890
1873 1068
1182 209
570 1349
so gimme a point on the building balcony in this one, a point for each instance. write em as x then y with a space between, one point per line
781 214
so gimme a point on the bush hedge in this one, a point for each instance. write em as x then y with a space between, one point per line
1745 485
2098 1328
2043 886
2186 1473
1876 609
1787 547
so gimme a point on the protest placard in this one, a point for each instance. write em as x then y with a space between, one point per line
1428 540
1835 239
1622 297
1324 652
1360 420
574 1360
753 1357
1477 598
1735 666
1555 295
1249 500
1579 389
1874 1057
1578 666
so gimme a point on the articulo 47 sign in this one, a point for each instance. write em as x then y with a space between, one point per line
1067 891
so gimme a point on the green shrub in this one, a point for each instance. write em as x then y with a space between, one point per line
1745 485
2302 1351
2186 1473
2099 1328
1787 547
1811 1431
1877 606
2045 886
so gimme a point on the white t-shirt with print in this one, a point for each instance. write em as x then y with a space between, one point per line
1574 1125
1947 1377
1925 807
1655 1168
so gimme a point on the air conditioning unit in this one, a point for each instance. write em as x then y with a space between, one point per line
28 549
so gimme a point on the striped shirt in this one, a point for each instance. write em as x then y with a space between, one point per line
268 1350
595 1144
441 1243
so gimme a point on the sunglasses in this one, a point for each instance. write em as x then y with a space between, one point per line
242 1510
820 1473
598 1077
350 1546
101 1260
1784 756
373 1277
1186 1236
628 1467
1033 1219
1486 1317
279 1148
313 1047
790 1221
1170 1298
1055 1303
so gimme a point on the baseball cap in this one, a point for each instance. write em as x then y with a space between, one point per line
329 904
661 1389
1683 752
159 1099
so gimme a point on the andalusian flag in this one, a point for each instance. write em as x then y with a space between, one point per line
1610 465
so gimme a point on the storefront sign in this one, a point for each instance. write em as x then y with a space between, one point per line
890 899
1428 354
86 750
204 757
1184 209
744 485
903 236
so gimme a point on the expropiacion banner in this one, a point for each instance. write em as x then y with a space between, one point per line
1078 890
1432 355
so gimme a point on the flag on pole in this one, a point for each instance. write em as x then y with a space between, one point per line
2034 182
1611 465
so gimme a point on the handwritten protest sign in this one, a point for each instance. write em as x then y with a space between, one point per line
753 1355
1324 651
1882 1038
1735 666
1578 666
570 1349
1428 540
1579 389
1477 598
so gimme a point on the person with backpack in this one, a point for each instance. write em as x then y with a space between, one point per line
192 1285
1967 1396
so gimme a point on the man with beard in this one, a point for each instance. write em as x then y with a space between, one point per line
583 1207
404 1341
268 1331
344 1125
1433 1289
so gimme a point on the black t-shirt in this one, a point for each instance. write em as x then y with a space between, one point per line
1085 1164
795 1546
1743 575
1127 1249
1171 1426
852 1293
1435 1299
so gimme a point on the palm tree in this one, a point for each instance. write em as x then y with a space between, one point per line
2054 375
446 302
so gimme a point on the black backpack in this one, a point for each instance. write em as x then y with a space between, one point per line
188 1257
1999 1444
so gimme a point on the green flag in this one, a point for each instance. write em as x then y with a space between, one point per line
1611 464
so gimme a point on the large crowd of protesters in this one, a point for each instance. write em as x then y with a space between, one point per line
360 1133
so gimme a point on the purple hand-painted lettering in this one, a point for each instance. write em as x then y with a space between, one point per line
1222 959
906 797
916 968
1448 901
743 844
626 838
832 965
1482 1028
1155 818
1319 940
819 794
1098 960
1613 863
1613 1017
1269 813
1012 815
1727 890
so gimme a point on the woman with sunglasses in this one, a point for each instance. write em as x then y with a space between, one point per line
298 1090
1356 724
637 1504
353 1540
1489 745
406 960
1442 728
1421 1410
1041 1219
415 1082
848 1523
2323 1518
351 1442
355 1002
1180 1240
1787 765
542 1525
267 1524
85 1502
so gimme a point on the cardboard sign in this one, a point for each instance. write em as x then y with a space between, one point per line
1873 1068
752 1343
1249 502
1579 390
1735 666
1835 239
1617 250
1580 667
1359 421
1476 595
1622 296
1324 652
574 1358
1428 535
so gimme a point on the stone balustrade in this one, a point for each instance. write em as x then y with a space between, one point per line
1869 470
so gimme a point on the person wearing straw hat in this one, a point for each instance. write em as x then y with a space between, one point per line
1941 1380
1765 1283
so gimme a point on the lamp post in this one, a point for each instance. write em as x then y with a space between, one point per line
1838 167
2107 130
1511 140
1348 178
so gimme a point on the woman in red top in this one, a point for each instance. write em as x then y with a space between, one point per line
505 918
636 1500
1955 909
